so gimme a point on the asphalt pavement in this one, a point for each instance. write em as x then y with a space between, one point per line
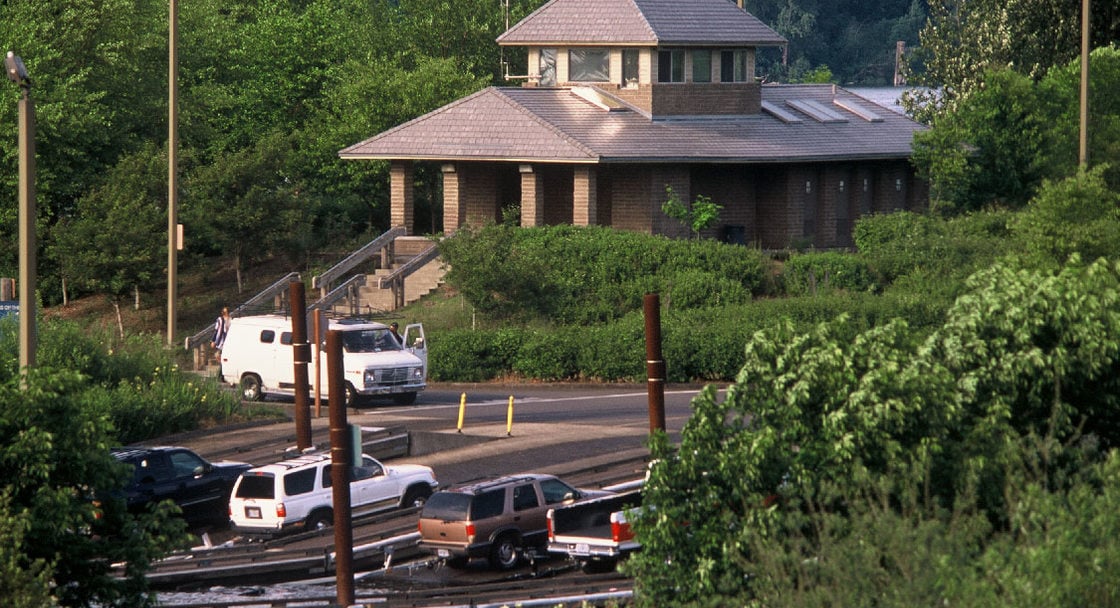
482 448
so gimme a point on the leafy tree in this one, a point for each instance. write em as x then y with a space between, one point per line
702 214
998 145
989 151
816 420
246 204
115 241
59 490
1075 215
1060 90
963 40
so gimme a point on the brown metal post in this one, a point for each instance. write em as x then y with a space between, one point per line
301 351
340 472
318 340
655 364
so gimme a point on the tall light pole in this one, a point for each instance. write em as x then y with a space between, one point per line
17 72
172 166
1083 135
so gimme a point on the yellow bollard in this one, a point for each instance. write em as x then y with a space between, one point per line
462 410
509 418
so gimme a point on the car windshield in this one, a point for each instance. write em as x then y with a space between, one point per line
369 341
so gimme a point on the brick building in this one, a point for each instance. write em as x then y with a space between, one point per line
623 98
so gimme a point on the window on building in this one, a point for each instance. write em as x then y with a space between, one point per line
670 66
589 65
733 66
547 67
629 67
701 66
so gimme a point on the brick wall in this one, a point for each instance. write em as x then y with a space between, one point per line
452 199
401 195
763 205
630 196
706 98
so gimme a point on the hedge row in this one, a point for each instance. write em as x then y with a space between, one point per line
698 344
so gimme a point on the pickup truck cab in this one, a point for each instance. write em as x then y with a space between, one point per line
258 357
200 488
595 533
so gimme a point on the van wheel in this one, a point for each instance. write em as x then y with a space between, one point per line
351 396
503 553
416 497
319 520
251 387
404 398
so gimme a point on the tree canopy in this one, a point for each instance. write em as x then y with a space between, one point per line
826 433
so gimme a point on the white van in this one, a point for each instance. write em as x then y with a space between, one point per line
258 357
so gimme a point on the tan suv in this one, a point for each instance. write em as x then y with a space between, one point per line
497 519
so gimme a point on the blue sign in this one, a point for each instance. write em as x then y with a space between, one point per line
9 307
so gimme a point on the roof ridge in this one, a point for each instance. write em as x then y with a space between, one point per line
417 120
546 124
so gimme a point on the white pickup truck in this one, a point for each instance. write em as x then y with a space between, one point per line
595 533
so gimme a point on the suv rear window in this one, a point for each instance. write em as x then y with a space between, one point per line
300 482
488 504
256 486
447 506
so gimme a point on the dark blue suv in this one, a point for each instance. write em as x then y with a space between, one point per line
200 488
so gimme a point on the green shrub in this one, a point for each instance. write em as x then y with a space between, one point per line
586 275
897 244
473 356
812 273
613 352
549 355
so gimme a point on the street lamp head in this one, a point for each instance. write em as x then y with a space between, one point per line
17 72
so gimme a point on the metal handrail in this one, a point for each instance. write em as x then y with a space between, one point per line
359 256
410 266
251 304
337 293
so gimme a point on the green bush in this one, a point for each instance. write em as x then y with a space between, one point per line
897 244
473 356
549 355
586 275
133 381
812 273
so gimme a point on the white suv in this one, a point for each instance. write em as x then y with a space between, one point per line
296 493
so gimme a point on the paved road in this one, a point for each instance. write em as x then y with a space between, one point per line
553 425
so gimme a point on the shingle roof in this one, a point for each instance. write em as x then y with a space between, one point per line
647 22
556 125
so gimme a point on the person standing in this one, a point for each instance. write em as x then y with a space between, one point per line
396 336
221 329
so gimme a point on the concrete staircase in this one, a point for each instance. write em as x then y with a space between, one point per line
371 298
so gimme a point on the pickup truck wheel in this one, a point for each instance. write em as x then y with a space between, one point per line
251 387
503 553
404 398
319 520
416 497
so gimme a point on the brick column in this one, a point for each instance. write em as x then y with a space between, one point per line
401 194
453 208
532 197
584 194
